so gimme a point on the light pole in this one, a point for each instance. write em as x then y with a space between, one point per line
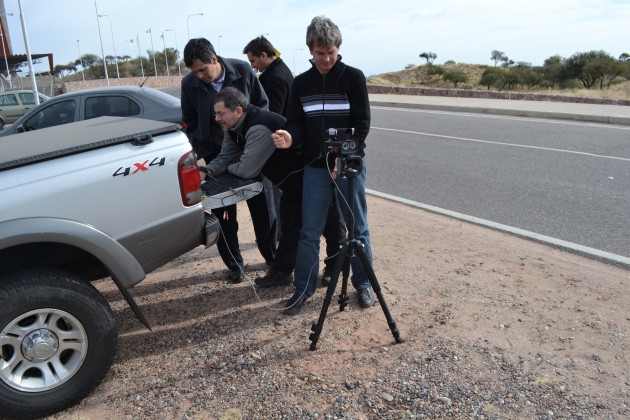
139 53
187 20
98 23
28 55
219 44
179 67
6 60
80 60
153 51
298 49
165 58
113 43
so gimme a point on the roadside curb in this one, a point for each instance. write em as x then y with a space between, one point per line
596 254
603 119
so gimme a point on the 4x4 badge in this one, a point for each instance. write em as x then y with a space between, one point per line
139 167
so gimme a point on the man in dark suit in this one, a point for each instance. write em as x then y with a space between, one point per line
208 74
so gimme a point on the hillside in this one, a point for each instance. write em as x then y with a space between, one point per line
423 76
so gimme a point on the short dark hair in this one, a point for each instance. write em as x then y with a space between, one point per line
322 32
232 98
198 49
260 45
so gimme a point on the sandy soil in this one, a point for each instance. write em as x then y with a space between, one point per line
497 303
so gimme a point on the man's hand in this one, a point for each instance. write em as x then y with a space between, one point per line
203 171
282 139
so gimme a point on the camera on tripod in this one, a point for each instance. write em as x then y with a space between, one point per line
338 141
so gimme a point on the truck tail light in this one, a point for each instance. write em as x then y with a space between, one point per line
189 180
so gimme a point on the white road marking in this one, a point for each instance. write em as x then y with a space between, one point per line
502 143
559 243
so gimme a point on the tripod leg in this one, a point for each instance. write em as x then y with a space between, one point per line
344 298
334 278
377 290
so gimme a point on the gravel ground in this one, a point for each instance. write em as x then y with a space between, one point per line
495 327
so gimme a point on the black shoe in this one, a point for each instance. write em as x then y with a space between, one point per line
236 275
293 306
326 276
366 297
274 278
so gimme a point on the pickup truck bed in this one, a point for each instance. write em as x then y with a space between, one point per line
64 140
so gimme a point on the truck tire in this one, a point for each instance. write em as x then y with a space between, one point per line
58 339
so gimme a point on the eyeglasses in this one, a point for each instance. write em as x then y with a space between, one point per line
221 114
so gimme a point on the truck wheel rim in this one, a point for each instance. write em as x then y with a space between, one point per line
41 350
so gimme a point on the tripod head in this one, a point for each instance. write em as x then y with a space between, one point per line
338 142
348 165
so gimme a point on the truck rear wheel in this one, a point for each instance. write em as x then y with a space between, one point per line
58 340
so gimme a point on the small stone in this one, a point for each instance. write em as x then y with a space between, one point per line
387 397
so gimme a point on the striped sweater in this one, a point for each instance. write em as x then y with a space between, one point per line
338 99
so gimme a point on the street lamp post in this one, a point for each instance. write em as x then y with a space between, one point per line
80 60
139 53
6 60
179 68
28 55
113 44
187 20
219 44
153 51
298 49
165 58
98 23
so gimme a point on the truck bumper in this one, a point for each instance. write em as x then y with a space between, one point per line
212 229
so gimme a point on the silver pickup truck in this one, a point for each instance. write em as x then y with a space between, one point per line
104 198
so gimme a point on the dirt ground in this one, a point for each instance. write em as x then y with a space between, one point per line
495 302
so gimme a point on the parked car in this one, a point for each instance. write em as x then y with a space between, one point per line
15 103
116 101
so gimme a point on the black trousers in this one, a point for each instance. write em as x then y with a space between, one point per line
265 230
290 224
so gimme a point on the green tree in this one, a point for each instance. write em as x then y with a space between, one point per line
429 56
62 70
498 56
554 72
492 77
624 57
594 72
455 77
89 60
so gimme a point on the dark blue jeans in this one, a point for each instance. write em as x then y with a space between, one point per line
318 192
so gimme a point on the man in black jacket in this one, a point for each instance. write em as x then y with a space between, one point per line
329 95
275 76
208 74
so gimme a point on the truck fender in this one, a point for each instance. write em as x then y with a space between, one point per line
120 263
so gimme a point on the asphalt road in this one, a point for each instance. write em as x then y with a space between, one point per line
562 179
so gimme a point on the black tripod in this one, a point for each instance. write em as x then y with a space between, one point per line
351 165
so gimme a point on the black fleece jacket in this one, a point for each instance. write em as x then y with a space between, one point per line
338 99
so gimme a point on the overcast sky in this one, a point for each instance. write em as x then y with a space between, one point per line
378 36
